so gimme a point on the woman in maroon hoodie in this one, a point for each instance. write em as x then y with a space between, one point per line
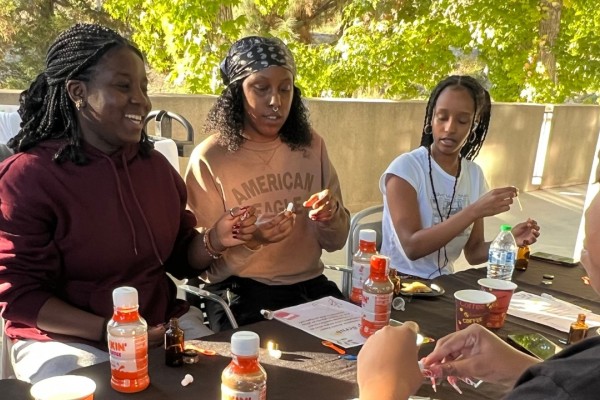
87 205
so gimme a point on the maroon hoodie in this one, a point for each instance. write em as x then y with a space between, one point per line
78 232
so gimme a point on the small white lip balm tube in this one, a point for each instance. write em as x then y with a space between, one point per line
290 207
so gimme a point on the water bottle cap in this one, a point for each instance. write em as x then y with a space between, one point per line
245 343
125 296
505 227
367 235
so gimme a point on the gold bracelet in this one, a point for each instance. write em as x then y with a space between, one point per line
209 249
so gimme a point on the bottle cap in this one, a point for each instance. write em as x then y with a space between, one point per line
125 296
245 343
505 227
367 235
379 264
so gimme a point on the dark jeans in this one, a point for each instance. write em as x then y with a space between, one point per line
247 297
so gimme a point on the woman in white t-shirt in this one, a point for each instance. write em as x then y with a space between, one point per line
435 197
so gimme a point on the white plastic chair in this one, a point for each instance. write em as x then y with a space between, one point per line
169 149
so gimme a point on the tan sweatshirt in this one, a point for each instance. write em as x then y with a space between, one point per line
267 176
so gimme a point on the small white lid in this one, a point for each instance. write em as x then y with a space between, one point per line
367 235
125 296
245 343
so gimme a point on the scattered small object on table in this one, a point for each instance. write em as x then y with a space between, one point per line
187 379
268 314
190 356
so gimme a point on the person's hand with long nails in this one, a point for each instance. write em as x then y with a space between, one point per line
322 206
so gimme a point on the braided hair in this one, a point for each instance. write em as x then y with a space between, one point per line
46 109
481 118
226 118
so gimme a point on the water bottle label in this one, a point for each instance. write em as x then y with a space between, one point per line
229 394
501 257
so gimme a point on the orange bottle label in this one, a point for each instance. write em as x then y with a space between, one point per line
129 361
376 312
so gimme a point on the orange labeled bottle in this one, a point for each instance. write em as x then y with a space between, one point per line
367 241
522 262
127 334
378 291
578 330
244 378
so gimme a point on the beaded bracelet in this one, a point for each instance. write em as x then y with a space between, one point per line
209 249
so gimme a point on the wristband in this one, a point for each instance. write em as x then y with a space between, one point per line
209 249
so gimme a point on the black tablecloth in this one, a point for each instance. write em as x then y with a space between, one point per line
307 370
435 315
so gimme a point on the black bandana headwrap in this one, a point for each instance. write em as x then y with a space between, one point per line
254 53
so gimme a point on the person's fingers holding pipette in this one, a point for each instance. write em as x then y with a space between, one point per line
476 352
494 202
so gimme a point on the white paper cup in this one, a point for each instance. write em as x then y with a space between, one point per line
66 387
472 307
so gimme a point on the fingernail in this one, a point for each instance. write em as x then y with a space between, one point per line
236 226
235 231
235 237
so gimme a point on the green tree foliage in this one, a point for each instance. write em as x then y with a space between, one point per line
185 39
523 50
27 27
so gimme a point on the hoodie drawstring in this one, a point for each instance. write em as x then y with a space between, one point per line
139 207
124 207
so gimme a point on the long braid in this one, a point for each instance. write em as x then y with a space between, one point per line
481 117
46 109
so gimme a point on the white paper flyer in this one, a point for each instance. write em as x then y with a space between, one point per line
328 318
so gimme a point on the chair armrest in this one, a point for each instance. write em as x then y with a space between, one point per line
346 277
342 268
205 294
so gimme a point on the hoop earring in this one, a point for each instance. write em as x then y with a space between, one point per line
472 137
428 130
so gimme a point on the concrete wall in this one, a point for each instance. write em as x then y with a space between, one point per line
508 154
572 145
364 136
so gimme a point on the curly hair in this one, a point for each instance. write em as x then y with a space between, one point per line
481 118
226 119
46 109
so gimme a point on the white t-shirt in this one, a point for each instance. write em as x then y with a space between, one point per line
414 168
9 125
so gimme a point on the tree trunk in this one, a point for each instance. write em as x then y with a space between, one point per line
549 29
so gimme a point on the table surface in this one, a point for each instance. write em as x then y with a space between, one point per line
309 370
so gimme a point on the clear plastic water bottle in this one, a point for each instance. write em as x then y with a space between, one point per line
128 343
367 247
502 255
